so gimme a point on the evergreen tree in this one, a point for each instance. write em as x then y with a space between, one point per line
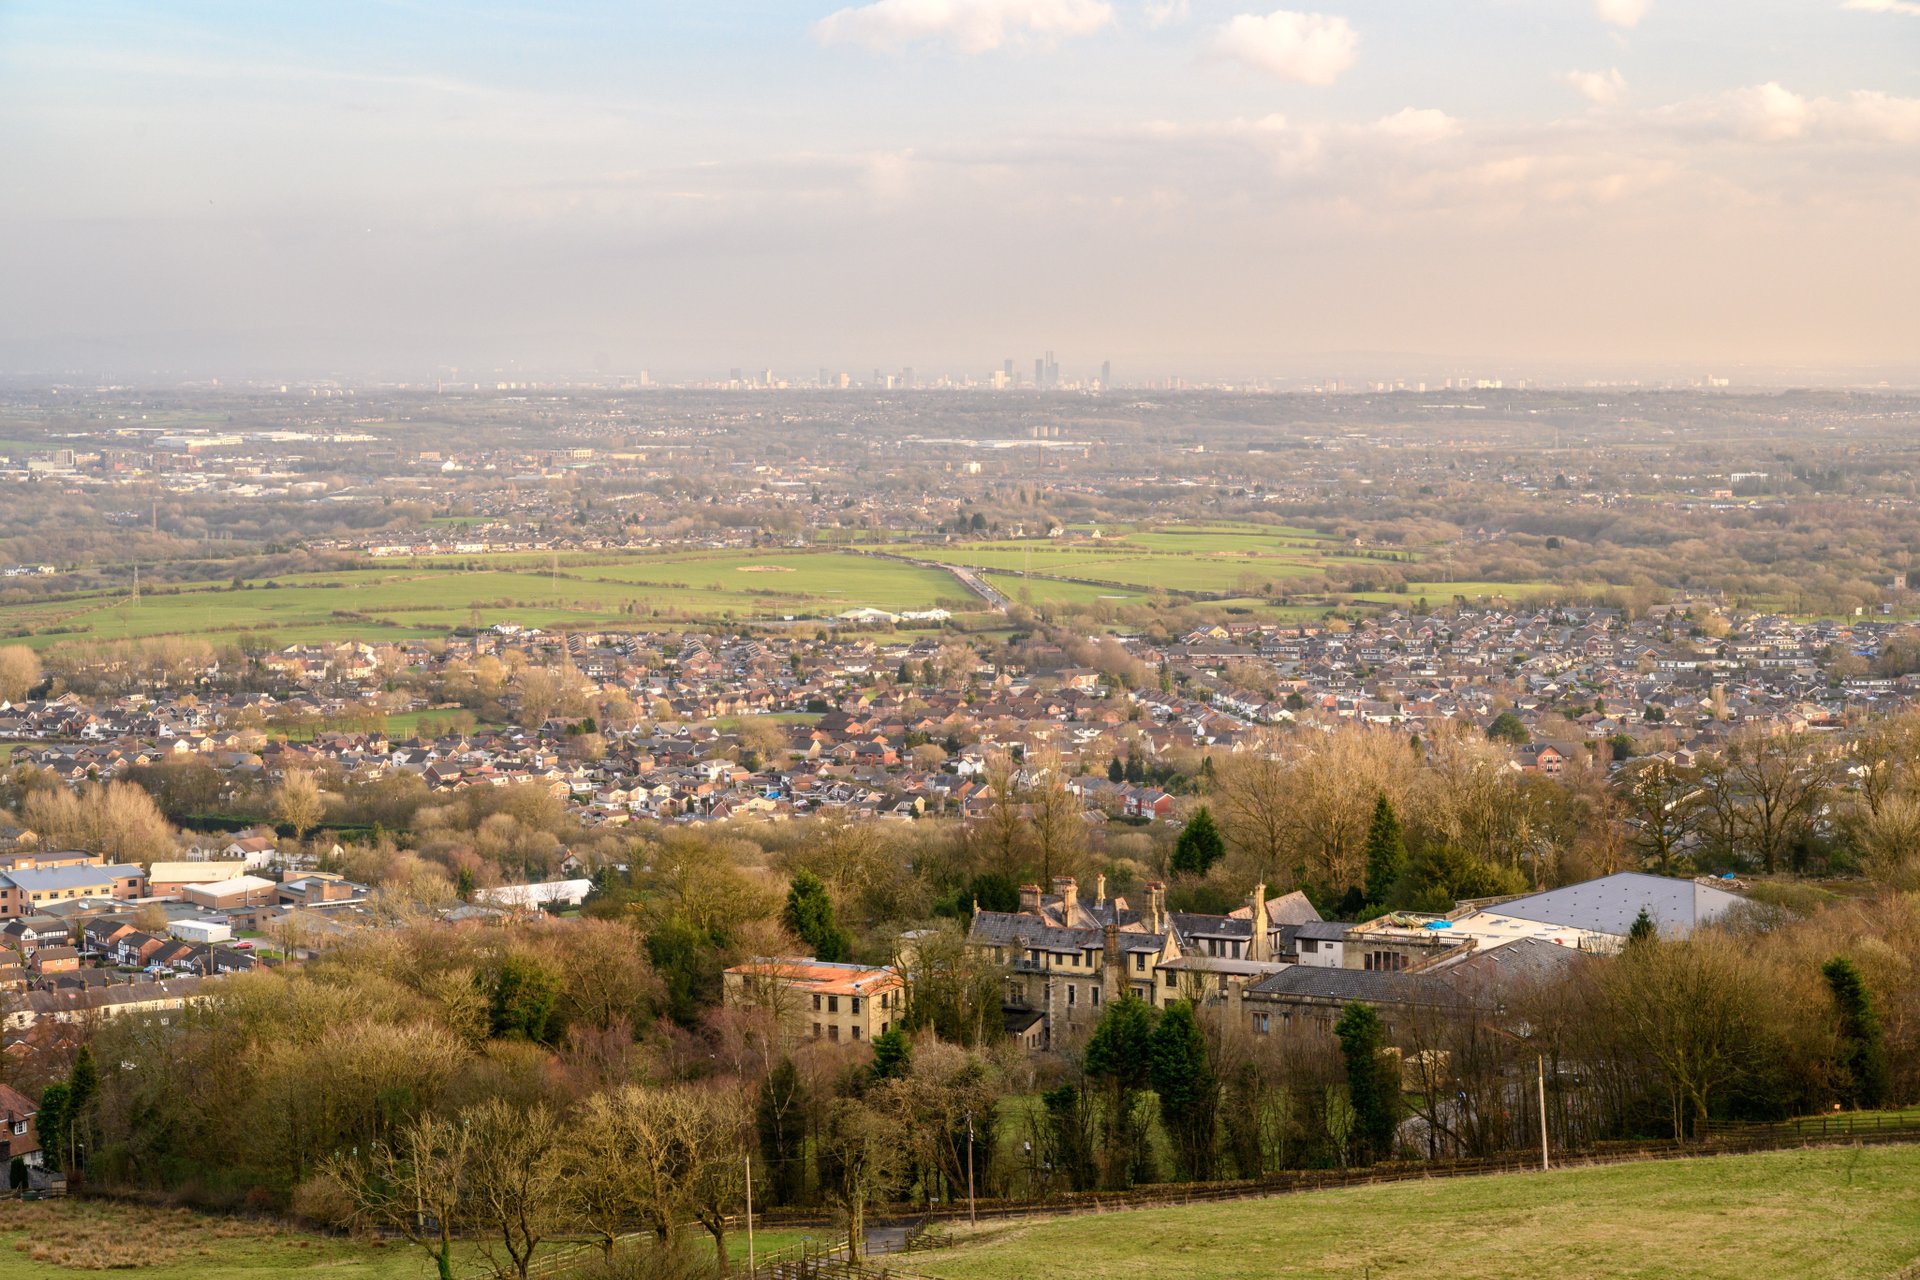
1508 727
1182 1072
1133 773
1116 772
1864 1071
526 1002
52 1124
780 1123
1642 929
892 1055
1119 1056
1386 851
809 915
1199 845
1373 1080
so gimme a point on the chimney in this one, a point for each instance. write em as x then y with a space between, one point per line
1114 975
1030 899
1257 941
1068 891
1100 887
1156 906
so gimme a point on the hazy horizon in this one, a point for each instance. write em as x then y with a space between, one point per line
1596 187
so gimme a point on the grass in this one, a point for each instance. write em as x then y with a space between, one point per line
392 600
53 1238
1824 1214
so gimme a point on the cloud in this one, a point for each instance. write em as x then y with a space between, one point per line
1908 7
1602 88
1311 48
1167 13
1418 124
1773 113
970 26
1621 13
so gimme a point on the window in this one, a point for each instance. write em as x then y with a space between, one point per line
856 1033
1260 1023
1139 962
816 1002
833 1032
1095 992
856 1004
833 1004
816 1031
1309 945
1070 995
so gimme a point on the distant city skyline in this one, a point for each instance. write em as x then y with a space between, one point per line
1206 189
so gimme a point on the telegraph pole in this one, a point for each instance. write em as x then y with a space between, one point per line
749 1160
1545 1163
972 1221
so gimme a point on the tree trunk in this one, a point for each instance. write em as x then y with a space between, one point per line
717 1228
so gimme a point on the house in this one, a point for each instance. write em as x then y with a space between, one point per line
23 1139
819 999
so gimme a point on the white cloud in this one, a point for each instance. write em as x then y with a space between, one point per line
1167 13
970 26
1418 124
1311 48
1621 13
1873 116
1602 88
1773 113
1908 7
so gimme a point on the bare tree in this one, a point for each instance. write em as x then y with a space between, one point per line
298 802
515 1177
419 1184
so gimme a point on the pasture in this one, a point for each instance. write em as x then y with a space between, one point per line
1821 1214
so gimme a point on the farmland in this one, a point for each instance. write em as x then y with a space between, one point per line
1834 1212
412 598
393 600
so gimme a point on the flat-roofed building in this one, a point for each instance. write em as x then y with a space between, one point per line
26 890
167 879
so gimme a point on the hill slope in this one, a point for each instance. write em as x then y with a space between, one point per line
1848 1214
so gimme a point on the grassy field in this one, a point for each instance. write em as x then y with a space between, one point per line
389 600
1827 1214
69 1238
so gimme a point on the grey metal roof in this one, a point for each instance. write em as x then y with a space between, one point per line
1610 904
55 879
1322 930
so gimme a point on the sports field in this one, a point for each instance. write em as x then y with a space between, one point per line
1824 1214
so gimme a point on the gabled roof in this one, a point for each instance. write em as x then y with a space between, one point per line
1610 904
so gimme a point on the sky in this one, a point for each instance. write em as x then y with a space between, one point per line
1198 187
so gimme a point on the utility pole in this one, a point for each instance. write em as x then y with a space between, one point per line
749 1160
972 1221
1545 1163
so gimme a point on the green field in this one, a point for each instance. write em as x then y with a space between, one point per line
391 600
1824 1214
71 1238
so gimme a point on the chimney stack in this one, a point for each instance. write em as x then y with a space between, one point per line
1030 899
1257 948
1113 977
1156 906
1100 888
1068 891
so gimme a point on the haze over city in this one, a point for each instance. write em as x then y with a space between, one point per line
1554 190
